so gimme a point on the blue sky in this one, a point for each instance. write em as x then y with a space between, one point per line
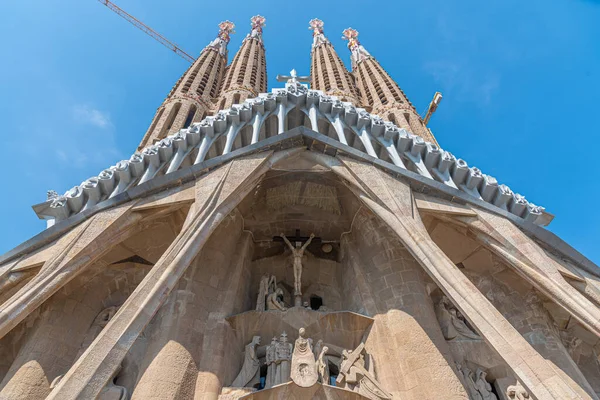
520 82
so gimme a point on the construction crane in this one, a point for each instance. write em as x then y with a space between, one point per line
145 28
437 97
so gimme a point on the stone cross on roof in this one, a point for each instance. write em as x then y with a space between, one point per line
293 77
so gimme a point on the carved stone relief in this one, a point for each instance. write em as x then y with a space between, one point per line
250 372
356 377
304 368
453 323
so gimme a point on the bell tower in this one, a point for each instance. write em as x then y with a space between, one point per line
246 77
191 98
379 93
327 69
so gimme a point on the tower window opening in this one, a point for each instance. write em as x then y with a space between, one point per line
190 117
171 119
236 98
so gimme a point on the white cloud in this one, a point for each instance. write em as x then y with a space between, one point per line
87 114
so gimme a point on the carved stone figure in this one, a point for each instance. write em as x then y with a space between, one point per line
356 377
452 323
358 52
469 382
273 302
268 285
110 391
323 367
283 359
297 253
316 25
99 323
484 387
304 368
517 392
270 357
250 372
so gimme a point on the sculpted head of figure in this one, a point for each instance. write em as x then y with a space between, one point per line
256 340
301 332
274 340
283 337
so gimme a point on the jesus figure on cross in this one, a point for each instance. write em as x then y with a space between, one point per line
297 253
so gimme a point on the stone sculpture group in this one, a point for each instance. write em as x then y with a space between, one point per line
453 323
306 365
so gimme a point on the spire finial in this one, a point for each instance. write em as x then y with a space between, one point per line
225 29
257 22
316 25
222 39
359 53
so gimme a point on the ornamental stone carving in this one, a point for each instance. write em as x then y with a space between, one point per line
517 392
452 322
355 376
304 368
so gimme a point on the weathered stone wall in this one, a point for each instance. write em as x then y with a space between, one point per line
52 343
412 358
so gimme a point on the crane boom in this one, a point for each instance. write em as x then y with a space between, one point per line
145 28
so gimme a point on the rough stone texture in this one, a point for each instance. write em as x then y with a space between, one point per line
185 263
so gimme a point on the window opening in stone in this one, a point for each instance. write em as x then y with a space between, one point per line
315 302
190 116
333 373
263 377
236 98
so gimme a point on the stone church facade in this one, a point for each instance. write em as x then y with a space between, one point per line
299 243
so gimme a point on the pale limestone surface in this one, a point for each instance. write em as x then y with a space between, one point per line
439 299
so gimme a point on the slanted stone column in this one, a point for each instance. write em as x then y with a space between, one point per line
217 194
220 359
181 330
412 358
391 199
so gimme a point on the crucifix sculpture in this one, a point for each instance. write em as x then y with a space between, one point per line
297 252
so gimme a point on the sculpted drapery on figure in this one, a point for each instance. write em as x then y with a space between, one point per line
355 375
323 367
469 382
483 386
268 285
297 253
250 372
270 357
283 359
452 322
304 368
273 302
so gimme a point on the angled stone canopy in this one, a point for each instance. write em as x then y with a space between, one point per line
316 142
270 114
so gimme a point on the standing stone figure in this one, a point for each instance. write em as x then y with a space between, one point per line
110 391
268 285
323 367
297 253
283 359
357 378
484 387
304 368
270 358
250 372
517 392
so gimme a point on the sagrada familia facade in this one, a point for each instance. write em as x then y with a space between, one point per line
308 242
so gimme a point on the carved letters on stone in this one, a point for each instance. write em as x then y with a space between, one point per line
354 374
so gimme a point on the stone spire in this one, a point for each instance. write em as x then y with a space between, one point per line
327 69
247 75
379 93
191 97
